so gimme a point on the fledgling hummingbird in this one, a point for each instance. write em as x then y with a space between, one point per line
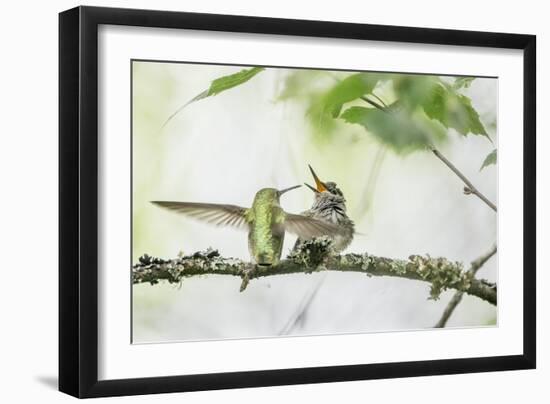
329 206
265 221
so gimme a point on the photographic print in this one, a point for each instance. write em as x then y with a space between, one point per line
289 201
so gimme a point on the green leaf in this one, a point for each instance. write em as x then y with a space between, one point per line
328 105
322 122
453 110
349 89
413 91
490 159
400 130
226 82
440 101
303 83
463 82
219 85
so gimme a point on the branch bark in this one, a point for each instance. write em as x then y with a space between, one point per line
456 299
316 255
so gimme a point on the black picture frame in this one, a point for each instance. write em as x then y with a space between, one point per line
78 201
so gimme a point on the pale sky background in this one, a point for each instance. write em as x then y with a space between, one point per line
224 148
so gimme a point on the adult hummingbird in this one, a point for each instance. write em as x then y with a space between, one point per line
265 221
329 206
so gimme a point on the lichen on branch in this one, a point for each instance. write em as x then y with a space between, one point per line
314 256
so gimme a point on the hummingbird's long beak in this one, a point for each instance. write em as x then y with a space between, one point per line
320 184
310 187
282 191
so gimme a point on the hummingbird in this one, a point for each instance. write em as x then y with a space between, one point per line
329 206
265 221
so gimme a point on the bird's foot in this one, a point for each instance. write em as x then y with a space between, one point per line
312 253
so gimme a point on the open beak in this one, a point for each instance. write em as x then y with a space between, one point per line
319 184
310 187
282 191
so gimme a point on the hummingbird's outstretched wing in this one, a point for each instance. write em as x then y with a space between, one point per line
216 214
307 227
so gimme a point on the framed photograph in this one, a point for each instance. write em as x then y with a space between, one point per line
251 201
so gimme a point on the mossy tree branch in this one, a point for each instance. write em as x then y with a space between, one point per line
315 256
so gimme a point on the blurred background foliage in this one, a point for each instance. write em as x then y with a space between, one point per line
219 133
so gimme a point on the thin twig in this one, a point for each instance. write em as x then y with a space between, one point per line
368 194
299 315
374 104
470 188
457 298
379 99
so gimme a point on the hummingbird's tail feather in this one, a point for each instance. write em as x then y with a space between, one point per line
216 214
